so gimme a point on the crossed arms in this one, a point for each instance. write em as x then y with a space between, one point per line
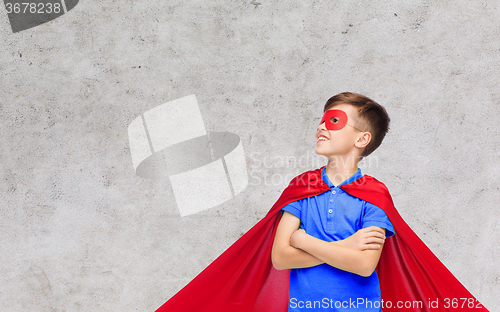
294 248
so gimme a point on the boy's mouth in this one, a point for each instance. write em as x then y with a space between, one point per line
322 138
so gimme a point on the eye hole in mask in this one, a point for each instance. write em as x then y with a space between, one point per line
334 119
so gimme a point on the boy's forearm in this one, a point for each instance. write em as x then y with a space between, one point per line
283 255
338 255
293 258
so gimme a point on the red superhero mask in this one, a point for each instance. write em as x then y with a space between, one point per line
334 119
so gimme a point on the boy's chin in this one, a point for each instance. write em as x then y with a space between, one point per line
321 151
327 153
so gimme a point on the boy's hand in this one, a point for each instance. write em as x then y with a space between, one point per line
296 238
370 238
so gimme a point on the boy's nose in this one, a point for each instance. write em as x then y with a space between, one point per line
321 126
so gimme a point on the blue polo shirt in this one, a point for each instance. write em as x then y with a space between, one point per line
332 216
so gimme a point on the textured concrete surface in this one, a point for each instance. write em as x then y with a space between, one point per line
81 232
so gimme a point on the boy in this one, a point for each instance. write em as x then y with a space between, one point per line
328 226
331 267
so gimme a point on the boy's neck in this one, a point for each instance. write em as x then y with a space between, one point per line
340 169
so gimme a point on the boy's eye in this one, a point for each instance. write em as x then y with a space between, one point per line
334 120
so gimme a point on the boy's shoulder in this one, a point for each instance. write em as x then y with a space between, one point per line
309 179
368 182
373 191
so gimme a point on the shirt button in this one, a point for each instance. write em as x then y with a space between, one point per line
330 210
331 200
333 192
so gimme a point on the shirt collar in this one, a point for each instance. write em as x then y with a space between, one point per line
353 178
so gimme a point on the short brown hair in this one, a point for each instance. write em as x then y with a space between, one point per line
372 117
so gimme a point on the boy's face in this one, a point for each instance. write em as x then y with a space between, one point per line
337 134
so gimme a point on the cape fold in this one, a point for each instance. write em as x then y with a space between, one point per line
242 279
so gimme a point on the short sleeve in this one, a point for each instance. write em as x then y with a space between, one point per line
375 216
293 208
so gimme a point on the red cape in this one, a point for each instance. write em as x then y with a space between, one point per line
243 278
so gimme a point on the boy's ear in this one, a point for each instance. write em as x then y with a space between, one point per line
363 139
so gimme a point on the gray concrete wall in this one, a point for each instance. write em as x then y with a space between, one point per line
80 231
